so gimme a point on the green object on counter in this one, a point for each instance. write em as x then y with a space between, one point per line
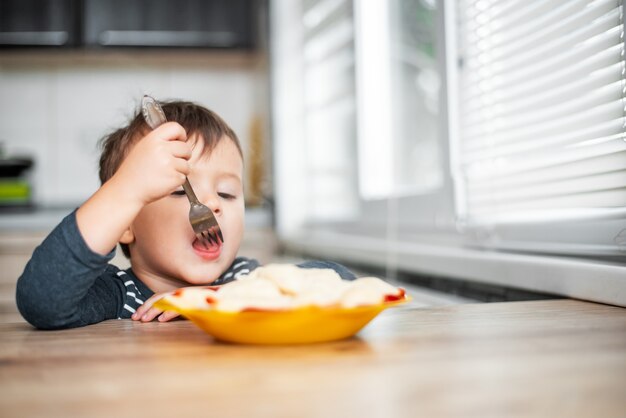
14 191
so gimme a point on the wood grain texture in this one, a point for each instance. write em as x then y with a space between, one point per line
516 359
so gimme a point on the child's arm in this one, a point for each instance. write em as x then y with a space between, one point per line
155 167
65 282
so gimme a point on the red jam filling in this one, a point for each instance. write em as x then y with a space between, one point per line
399 296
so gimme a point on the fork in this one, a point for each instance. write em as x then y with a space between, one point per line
201 217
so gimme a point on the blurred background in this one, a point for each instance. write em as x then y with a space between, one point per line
474 148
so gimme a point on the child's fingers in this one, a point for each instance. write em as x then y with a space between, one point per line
180 149
167 316
147 312
171 131
140 312
143 313
146 306
142 309
151 314
182 166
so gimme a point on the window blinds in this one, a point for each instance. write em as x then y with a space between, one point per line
541 105
329 109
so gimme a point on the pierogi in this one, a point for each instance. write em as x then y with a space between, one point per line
278 287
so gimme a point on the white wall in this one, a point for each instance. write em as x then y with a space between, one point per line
58 111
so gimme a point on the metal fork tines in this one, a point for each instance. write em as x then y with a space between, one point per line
201 217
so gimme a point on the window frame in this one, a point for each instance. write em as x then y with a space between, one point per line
428 233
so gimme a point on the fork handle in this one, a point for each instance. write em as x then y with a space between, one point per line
193 199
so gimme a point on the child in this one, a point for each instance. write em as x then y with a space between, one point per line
68 282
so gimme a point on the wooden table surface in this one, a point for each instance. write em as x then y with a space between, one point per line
517 359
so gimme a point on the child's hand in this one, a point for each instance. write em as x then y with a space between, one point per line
146 312
156 165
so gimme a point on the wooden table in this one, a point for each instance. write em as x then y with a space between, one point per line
517 359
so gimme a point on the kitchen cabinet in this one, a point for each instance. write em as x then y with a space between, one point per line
168 23
101 24
39 23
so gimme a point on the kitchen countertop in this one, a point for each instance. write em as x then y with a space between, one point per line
45 219
35 220
529 359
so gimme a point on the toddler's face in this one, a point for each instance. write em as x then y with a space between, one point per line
165 252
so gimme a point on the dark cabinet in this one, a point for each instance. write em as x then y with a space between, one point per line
169 23
42 23
129 23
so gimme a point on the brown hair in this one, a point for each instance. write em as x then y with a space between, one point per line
196 119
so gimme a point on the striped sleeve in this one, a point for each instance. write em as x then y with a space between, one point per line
240 267
133 298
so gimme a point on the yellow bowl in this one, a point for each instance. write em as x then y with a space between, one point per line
297 326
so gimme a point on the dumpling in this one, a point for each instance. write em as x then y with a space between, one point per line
296 281
369 291
251 294
192 298
286 286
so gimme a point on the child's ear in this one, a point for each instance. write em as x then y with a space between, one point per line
128 237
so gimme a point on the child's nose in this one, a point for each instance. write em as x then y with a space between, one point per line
213 202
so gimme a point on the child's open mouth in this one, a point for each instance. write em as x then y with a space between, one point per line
207 251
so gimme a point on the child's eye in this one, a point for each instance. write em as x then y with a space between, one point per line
178 193
226 196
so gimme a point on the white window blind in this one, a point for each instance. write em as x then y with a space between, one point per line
398 87
329 109
541 129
